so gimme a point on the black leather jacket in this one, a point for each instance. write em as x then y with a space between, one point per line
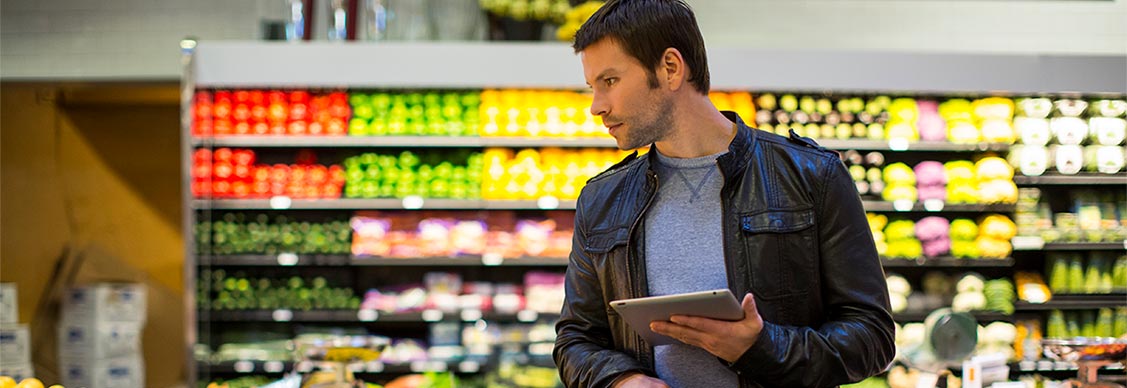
795 235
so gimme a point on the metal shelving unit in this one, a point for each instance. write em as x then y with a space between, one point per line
391 65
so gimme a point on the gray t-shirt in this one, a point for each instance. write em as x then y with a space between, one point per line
685 253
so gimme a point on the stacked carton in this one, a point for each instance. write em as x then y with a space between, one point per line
15 340
100 336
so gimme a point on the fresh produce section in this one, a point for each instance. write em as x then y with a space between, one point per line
232 173
944 166
242 233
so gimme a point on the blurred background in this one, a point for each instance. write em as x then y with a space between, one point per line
198 193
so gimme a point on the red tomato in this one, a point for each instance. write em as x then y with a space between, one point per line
277 111
330 191
242 96
241 112
276 96
223 170
240 189
201 188
201 170
318 174
312 192
223 154
316 129
223 95
222 127
261 189
242 128
299 96
243 157
278 128
280 173
257 97
298 174
336 127
261 173
201 110
260 128
299 111
258 113
202 155
221 110
202 96
221 189
336 174
298 128
242 172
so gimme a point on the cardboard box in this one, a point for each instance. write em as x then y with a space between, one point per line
105 302
99 339
15 345
9 303
17 372
103 373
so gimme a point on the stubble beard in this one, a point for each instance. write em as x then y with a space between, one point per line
653 130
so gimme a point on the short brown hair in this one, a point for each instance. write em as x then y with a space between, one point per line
645 28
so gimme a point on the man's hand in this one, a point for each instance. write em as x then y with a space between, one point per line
638 380
725 339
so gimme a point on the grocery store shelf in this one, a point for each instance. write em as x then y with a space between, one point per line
400 141
943 262
288 315
247 367
554 65
467 261
342 260
1034 243
1076 302
379 204
935 206
981 316
1080 179
273 260
886 145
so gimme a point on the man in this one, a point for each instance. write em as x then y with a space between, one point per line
714 204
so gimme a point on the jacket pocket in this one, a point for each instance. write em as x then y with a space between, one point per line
782 251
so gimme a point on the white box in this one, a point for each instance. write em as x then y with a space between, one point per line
15 345
103 373
99 339
9 303
17 372
105 302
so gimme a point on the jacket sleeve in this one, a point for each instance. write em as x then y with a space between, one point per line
584 352
857 340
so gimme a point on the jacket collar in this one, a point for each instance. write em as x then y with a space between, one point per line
739 150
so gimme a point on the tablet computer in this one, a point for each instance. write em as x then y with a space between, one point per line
639 312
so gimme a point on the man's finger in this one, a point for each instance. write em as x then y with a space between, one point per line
684 334
700 323
749 306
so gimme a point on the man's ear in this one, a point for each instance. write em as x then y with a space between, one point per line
671 71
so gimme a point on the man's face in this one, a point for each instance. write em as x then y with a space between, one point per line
635 109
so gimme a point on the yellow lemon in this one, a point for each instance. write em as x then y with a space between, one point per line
56 386
7 382
30 382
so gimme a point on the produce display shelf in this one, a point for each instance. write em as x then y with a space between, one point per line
935 207
946 262
252 367
981 316
1080 179
364 316
401 141
284 203
342 260
893 145
1076 302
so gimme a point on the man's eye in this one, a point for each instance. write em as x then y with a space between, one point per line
611 81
